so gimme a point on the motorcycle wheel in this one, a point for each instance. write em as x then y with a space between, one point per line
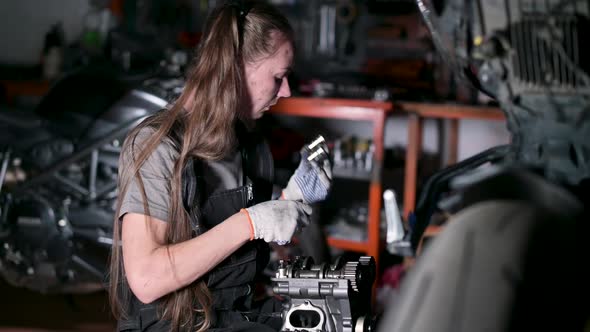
497 266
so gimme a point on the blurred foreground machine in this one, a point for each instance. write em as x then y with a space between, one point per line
324 297
512 253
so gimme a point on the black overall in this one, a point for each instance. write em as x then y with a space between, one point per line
232 281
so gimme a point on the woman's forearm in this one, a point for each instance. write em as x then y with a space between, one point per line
161 269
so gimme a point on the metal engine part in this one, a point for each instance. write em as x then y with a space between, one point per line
323 297
317 150
42 250
35 238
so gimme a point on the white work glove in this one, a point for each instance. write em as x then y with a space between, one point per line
277 221
311 181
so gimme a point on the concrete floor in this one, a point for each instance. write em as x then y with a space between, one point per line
26 311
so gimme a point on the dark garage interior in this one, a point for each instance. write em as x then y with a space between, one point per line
422 165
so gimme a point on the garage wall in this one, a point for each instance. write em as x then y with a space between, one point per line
23 25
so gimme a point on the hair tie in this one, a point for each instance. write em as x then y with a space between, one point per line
240 6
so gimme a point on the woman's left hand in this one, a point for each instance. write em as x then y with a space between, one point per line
311 181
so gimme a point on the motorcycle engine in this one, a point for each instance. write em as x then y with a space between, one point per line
53 244
323 297
36 242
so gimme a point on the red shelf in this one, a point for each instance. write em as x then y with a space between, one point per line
346 109
356 110
453 113
349 245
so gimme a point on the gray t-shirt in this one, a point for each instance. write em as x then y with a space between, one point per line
156 174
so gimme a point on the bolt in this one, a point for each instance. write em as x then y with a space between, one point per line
62 223
30 271
548 77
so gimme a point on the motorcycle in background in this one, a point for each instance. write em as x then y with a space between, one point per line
58 175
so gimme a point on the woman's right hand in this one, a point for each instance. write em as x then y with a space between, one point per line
277 221
311 181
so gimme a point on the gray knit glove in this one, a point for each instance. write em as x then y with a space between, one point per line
311 181
277 221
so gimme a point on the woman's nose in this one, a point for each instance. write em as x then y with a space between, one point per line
284 90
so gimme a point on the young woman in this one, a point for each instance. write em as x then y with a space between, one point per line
194 217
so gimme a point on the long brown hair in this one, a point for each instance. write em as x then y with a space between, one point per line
235 33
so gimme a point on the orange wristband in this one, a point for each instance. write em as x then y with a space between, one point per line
251 224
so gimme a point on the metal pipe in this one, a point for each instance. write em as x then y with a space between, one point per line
395 228
5 160
92 179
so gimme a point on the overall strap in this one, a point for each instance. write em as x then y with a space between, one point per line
192 192
257 162
192 184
